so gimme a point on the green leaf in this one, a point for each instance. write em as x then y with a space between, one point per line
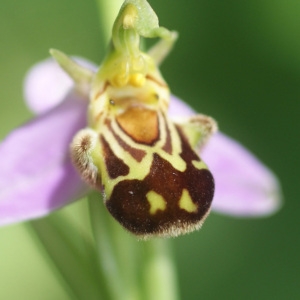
72 254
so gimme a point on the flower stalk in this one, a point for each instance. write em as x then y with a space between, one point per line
73 256
135 270
121 260
107 11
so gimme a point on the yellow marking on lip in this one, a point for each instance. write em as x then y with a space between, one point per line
186 202
199 164
156 201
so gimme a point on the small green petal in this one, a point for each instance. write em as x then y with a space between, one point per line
81 76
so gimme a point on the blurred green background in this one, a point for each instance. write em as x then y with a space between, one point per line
238 61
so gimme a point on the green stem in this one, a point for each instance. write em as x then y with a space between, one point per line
72 253
159 271
117 253
135 270
107 262
108 11
128 256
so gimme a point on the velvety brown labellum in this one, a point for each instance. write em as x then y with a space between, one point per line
129 205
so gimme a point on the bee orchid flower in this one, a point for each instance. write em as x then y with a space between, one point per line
37 174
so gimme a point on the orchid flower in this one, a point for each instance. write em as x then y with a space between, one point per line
38 169
37 175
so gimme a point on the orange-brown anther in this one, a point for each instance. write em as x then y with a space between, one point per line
140 123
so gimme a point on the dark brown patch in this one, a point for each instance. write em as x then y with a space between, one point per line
115 166
187 153
129 205
140 123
